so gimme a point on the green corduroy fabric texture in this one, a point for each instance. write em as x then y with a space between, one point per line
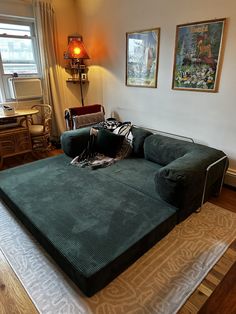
180 181
75 141
139 135
93 223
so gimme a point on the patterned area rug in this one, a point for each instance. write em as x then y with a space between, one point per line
159 282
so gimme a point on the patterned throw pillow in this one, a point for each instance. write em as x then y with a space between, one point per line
126 148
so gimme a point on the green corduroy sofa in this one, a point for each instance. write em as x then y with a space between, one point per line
95 223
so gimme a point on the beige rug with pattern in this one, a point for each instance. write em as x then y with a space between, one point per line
159 282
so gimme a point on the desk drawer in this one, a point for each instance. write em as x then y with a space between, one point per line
14 142
22 141
7 144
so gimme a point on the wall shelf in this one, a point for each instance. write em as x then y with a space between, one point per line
74 81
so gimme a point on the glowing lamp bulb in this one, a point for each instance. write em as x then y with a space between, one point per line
77 50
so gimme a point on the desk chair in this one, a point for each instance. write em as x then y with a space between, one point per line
79 117
40 127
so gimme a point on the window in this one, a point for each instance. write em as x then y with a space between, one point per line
18 53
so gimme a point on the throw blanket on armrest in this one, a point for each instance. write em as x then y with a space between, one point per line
89 158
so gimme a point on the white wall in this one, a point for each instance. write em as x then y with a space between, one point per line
67 22
209 118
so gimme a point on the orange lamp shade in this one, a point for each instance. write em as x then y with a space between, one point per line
76 50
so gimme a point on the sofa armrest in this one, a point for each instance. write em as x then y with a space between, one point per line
75 142
182 182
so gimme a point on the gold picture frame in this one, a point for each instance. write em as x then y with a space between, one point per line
142 56
198 55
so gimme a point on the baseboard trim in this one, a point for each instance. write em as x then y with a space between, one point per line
230 177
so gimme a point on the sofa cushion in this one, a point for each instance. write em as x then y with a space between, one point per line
108 143
139 135
91 224
137 173
127 146
163 150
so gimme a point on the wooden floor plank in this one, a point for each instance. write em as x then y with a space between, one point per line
13 297
218 273
227 200
223 300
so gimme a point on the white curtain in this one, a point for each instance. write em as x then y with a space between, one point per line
52 76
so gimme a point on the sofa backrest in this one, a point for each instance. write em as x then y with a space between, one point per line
163 150
139 136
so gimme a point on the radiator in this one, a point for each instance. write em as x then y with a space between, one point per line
25 88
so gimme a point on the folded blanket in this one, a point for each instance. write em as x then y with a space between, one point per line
98 161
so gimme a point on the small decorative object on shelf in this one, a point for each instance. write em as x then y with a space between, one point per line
76 53
78 73
8 109
75 69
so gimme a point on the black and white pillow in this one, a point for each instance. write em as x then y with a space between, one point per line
126 148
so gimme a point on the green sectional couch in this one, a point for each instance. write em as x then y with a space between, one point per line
95 223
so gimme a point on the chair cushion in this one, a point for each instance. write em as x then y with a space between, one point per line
78 111
36 129
87 119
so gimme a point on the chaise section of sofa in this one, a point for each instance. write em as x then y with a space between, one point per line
91 223
95 223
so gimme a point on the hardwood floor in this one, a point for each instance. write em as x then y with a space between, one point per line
18 160
215 304
214 279
227 198
14 299
196 302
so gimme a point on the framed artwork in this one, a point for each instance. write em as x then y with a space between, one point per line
198 56
142 54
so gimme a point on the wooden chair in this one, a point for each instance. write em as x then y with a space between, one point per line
40 127
78 117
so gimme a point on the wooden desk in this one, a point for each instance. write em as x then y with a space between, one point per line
20 113
15 140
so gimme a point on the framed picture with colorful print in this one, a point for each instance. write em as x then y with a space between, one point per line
142 54
198 54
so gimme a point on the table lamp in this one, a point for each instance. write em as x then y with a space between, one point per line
76 52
